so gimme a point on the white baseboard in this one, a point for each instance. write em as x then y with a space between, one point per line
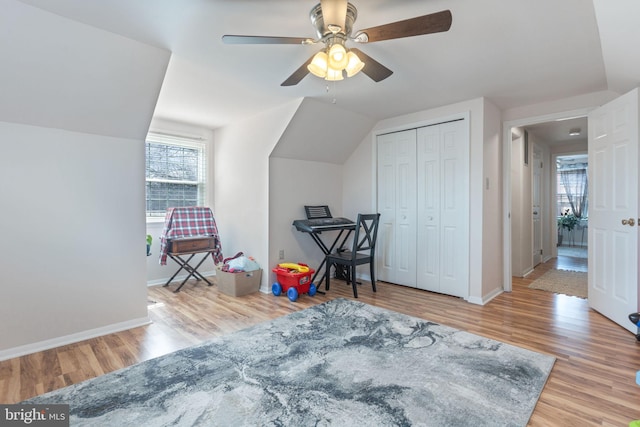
178 278
73 338
486 298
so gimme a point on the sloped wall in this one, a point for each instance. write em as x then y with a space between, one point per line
75 107
306 168
241 181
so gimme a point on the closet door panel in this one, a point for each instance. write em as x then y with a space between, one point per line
405 271
454 225
429 262
428 232
386 208
397 206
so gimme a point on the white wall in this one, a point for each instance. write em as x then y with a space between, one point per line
292 185
241 183
521 205
59 73
73 226
321 132
588 100
75 107
359 185
492 222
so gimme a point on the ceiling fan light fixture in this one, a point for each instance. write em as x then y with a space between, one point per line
318 66
334 75
574 132
354 64
338 57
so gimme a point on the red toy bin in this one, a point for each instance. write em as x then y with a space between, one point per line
288 279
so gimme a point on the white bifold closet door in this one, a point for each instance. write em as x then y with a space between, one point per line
443 208
396 245
423 198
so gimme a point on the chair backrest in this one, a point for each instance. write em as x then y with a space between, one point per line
366 233
317 212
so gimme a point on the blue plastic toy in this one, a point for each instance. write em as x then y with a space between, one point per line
635 319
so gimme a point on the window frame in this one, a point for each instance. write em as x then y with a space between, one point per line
185 142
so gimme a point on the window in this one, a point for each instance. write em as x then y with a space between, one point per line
572 185
175 173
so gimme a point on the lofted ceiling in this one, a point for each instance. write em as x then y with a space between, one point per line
514 52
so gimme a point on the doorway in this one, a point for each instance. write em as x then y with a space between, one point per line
552 134
572 205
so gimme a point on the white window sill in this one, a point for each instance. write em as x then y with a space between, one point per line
155 220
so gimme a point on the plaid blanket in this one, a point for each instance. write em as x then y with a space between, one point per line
189 222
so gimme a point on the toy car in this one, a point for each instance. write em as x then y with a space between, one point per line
294 279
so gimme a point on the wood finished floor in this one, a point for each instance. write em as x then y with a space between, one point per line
592 382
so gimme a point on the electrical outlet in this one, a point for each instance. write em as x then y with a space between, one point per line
281 254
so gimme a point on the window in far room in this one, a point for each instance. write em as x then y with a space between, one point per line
174 173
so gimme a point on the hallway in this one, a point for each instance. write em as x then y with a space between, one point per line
570 258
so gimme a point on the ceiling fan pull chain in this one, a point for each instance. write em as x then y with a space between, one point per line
334 100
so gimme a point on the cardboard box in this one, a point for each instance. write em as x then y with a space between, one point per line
238 284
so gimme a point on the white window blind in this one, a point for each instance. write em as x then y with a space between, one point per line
174 172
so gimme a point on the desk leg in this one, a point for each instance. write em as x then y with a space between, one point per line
184 265
181 263
315 275
197 274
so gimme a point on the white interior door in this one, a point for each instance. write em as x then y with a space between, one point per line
613 209
397 207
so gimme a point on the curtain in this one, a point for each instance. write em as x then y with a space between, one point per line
576 187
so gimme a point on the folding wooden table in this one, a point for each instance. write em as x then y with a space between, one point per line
189 231
188 247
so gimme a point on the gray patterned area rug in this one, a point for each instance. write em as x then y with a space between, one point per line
340 363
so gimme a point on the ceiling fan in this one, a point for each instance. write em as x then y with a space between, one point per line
333 21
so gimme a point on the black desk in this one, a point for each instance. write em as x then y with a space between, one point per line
314 227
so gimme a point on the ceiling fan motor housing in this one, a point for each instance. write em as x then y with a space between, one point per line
322 30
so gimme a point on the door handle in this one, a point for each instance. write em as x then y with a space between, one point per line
629 221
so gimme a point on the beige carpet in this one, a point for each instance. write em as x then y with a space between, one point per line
562 282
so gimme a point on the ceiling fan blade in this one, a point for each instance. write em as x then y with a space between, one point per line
372 68
433 23
334 12
298 74
233 39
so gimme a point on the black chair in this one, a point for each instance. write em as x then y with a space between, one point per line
362 252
